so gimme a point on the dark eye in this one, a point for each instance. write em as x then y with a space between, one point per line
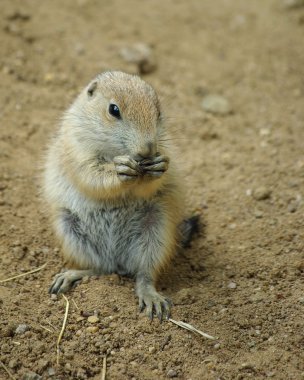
114 111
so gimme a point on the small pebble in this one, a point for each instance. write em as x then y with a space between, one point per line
231 285
93 319
216 104
49 77
13 363
114 278
92 329
68 366
232 226
293 206
261 193
87 313
21 329
171 373
51 371
141 55
216 346
258 214
247 366
152 350
270 374
292 4
264 132
31 376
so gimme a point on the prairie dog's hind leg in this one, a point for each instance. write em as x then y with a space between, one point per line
65 281
79 248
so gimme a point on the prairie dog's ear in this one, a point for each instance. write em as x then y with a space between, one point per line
91 89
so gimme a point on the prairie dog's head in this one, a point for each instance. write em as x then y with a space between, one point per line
116 114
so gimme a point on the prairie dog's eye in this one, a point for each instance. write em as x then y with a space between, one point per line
114 111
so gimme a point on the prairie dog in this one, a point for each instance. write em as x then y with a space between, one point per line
113 196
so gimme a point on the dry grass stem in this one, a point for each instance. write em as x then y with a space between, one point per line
104 368
23 274
63 326
7 371
47 329
47 321
186 326
74 302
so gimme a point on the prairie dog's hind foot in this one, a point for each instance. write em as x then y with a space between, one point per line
65 281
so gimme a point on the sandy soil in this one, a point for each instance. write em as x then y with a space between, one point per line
242 279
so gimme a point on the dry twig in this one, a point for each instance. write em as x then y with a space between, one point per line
23 274
46 329
63 326
53 327
104 368
186 326
74 302
7 371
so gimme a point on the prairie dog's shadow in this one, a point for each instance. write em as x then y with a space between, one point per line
187 267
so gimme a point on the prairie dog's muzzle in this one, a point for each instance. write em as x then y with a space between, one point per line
147 150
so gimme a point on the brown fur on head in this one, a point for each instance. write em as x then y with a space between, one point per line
137 129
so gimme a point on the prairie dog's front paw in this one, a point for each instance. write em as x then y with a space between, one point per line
127 168
155 304
156 166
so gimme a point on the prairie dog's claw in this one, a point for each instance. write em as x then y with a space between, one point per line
155 304
155 167
126 167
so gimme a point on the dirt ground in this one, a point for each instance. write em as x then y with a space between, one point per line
242 279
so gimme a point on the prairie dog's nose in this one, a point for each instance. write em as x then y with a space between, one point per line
147 150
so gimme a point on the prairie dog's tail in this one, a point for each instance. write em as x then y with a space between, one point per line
188 228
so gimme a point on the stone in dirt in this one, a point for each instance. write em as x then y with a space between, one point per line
142 55
292 4
216 104
92 329
171 373
261 193
21 329
232 285
93 319
31 376
13 363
